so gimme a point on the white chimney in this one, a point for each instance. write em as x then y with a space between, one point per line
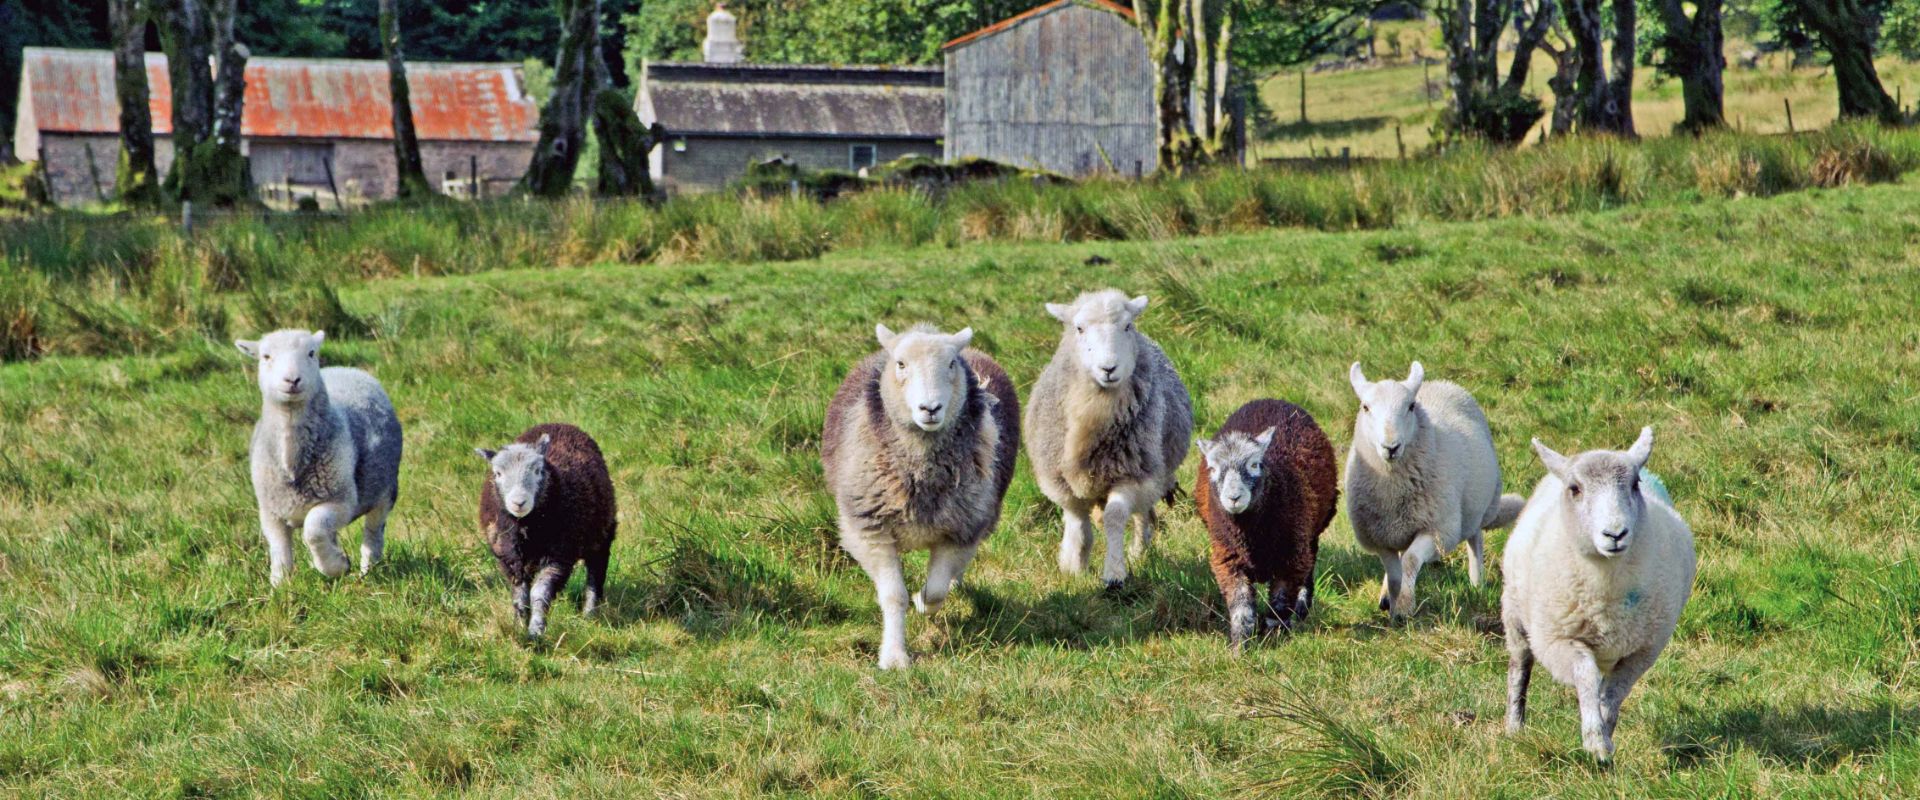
722 45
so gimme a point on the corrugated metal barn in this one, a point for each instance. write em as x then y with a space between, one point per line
721 117
1066 87
316 124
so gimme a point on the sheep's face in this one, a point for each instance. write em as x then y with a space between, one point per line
1389 418
1235 462
1100 326
519 473
289 363
1601 491
924 381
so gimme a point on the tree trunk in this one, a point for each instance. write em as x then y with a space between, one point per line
1845 28
1620 85
1695 55
136 181
1604 106
626 147
187 35
563 121
410 176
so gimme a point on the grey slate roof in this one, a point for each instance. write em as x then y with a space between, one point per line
775 100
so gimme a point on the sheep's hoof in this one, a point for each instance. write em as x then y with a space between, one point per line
1115 587
894 660
929 609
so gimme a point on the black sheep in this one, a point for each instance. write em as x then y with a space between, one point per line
547 504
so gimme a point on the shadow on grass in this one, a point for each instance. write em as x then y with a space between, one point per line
709 591
1808 737
1443 593
1329 129
411 565
1163 597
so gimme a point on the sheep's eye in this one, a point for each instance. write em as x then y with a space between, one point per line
1079 329
1366 408
900 364
267 357
310 354
1409 406
1574 489
1129 326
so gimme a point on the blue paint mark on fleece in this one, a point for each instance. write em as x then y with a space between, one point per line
1633 598
1655 486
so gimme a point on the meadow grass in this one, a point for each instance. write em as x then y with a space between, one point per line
1770 342
86 284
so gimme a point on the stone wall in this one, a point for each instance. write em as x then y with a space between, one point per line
710 163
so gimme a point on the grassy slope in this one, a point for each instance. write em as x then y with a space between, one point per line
1359 108
1771 342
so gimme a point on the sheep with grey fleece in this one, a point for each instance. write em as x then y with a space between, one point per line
1108 424
1597 571
325 452
918 450
1422 477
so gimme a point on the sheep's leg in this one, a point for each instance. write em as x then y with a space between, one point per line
279 547
520 607
1616 686
1143 536
1289 603
596 580
1075 540
547 584
1114 519
945 564
1389 581
1241 615
881 560
1573 665
373 535
321 530
1519 676
1476 556
1419 554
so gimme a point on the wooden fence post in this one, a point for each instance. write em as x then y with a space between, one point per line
1788 102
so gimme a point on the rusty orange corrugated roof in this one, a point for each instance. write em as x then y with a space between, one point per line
1030 13
72 91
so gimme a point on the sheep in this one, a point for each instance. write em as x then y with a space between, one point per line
325 452
1265 507
918 451
547 505
1597 571
1422 477
1108 423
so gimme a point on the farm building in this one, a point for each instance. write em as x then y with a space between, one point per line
722 115
313 124
1065 87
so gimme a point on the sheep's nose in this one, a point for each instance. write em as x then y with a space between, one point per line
1393 450
1622 534
293 382
1109 370
932 408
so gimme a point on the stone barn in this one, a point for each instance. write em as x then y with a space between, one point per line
314 126
722 115
1065 87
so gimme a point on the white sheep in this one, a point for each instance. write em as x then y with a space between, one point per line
325 452
918 450
1108 423
1597 571
1422 477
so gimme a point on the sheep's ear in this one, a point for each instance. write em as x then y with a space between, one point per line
1415 376
319 338
1137 306
1642 448
485 454
1358 379
1555 463
885 335
1060 312
1205 446
251 348
963 338
1265 438
546 441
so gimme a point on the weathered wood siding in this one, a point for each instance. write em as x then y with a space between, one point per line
1054 92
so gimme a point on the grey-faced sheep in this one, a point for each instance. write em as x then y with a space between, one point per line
1266 491
547 505
1108 423
325 452
1597 571
918 450
1422 477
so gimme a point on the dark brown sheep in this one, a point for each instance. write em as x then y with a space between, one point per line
1266 491
547 504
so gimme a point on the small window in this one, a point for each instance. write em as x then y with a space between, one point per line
860 155
679 145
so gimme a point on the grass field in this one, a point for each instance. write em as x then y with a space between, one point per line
1360 108
1770 341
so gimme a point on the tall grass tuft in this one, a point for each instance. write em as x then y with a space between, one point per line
1333 757
92 264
